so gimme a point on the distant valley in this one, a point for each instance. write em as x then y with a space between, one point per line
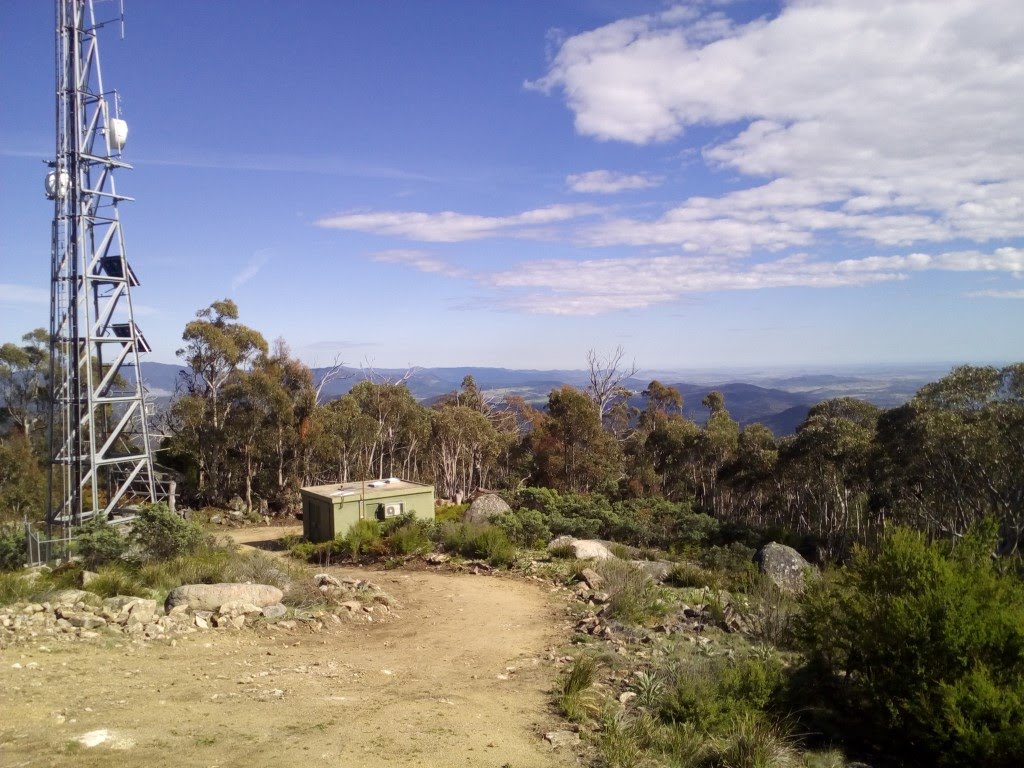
779 400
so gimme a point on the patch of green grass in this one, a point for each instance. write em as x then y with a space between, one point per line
117 579
574 697
563 552
752 741
16 588
686 574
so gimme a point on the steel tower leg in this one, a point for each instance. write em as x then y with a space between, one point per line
100 455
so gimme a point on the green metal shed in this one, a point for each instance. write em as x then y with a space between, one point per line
330 510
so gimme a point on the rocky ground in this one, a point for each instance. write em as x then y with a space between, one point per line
460 674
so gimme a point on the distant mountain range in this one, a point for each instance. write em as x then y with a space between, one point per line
779 401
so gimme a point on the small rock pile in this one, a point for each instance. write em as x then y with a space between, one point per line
359 597
695 619
75 614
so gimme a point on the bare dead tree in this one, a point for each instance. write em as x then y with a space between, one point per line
606 374
371 375
335 372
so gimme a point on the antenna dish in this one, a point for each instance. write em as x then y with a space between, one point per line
117 133
57 183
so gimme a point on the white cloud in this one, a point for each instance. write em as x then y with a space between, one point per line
899 122
249 271
418 260
451 227
993 294
22 294
608 182
603 285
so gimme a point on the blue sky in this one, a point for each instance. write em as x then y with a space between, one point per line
707 184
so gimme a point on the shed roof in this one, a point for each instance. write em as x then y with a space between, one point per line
368 489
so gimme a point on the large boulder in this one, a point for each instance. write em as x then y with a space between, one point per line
210 597
584 549
783 565
483 509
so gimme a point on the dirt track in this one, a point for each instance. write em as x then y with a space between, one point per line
434 688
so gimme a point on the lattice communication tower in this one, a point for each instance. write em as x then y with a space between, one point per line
101 460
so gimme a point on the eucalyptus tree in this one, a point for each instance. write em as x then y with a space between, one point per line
955 453
24 381
217 347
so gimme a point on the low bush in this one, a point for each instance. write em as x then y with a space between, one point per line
162 534
450 514
524 526
408 540
13 548
734 565
711 693
362 534
97 542
478 540
921 645
633 596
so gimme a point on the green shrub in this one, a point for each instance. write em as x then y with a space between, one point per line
408 540
361 535
162 534
98 542
13 548
923 646
633 595
733 564
525 527
711 693
450 514
478 540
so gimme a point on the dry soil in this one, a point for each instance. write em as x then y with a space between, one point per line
459 679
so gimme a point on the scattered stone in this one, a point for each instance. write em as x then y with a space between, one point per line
70 597
210 597
88 577
275 611
238 608
436 558
559 739
626 697
594 580
326 580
